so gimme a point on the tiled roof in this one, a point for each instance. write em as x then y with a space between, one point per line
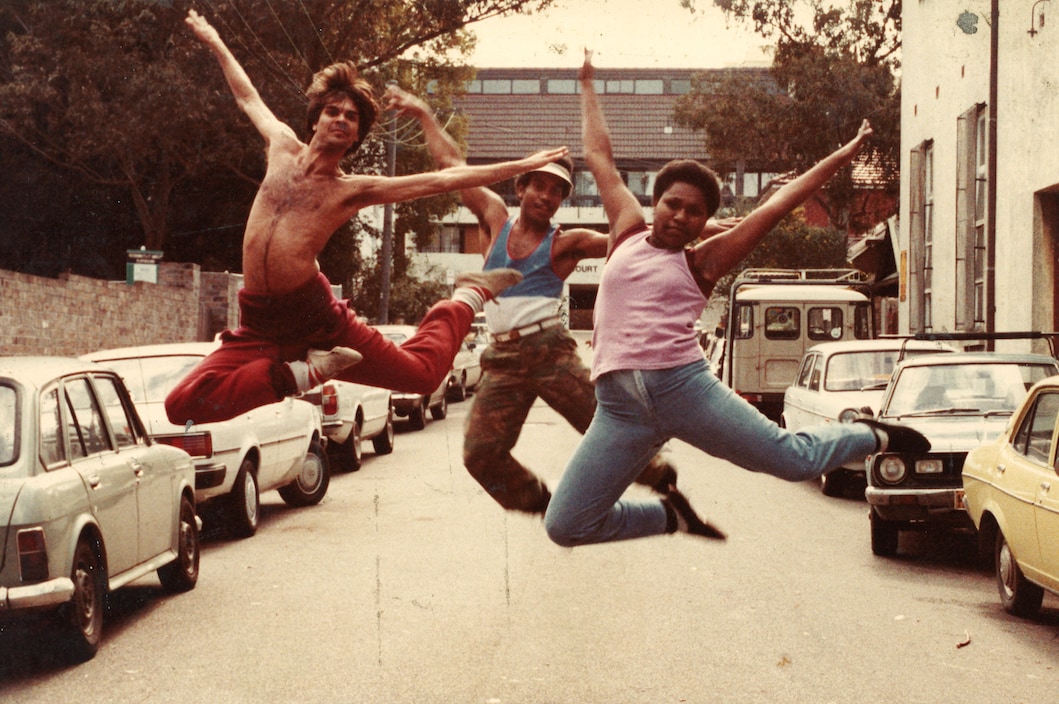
505 126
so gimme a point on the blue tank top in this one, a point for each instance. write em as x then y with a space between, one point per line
536 297
538 277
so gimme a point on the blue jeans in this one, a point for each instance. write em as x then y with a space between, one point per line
637 411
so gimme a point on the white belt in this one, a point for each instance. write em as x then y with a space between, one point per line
518 333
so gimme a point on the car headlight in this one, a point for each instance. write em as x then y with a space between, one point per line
892 469
933 466
848 415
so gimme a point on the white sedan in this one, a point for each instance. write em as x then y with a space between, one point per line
277 446
837 381
353 413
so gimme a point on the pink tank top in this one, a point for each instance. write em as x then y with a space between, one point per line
646 309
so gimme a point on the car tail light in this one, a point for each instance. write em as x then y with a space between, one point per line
32 555
195 444
329 400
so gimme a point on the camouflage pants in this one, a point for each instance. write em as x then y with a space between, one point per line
544 365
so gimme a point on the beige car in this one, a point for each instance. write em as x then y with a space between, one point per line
1008 493
89 502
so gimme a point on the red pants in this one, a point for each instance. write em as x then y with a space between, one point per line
249 369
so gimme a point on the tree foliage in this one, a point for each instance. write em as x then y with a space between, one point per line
835 64
117 96
793 244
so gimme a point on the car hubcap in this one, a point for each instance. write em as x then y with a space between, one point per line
312 473
1006 570
251 498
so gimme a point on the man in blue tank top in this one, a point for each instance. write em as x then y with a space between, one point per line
531 354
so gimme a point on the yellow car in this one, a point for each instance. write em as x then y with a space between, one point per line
1007 490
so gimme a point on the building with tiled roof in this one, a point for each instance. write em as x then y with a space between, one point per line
512 112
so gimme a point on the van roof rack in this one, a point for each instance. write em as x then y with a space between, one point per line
813 275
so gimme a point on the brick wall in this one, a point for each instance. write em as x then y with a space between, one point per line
72 315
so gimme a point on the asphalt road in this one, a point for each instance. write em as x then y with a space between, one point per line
408 584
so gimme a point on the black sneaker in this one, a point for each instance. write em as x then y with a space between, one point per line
683 518
899 438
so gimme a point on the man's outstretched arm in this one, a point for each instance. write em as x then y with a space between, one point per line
365 191
622 208
487 205
246 95
714 257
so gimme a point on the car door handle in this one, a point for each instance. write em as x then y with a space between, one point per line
94 481
137 468
1046 486
1001 468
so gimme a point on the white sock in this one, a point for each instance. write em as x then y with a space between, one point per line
471 297
302 377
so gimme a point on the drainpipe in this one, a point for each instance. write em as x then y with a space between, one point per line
991 184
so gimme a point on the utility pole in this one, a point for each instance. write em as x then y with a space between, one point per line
387 223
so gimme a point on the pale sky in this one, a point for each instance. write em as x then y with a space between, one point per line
621 33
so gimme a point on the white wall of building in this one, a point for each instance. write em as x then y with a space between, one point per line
945 71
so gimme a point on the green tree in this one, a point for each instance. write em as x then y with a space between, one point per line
118 91
834 65
793 244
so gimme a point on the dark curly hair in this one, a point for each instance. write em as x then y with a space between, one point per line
342 79
694 174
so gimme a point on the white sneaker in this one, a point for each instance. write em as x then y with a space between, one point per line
327 364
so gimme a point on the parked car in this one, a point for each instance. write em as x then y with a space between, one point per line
1007 490
838 381
88 501
353 413
466 370
414 407
958 401
277 446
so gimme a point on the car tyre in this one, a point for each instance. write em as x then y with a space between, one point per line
81 620
884 536
458 391
244 502
383 442
347 456
312 482
833 483
182 574
417 419
441 410
1019 596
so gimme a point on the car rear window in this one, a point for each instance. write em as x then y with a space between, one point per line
150 379
9 425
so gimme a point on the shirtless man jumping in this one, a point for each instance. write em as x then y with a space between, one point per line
293 333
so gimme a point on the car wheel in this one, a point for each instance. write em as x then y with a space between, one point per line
312 482
1019 596
833 483
244 502
459 388
441 410
182 574
383 442
417 418
81 620
347 456
884 535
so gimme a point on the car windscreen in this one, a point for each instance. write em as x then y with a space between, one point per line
864 370
150 379
964 388
9 426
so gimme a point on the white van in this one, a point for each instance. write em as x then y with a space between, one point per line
774 315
